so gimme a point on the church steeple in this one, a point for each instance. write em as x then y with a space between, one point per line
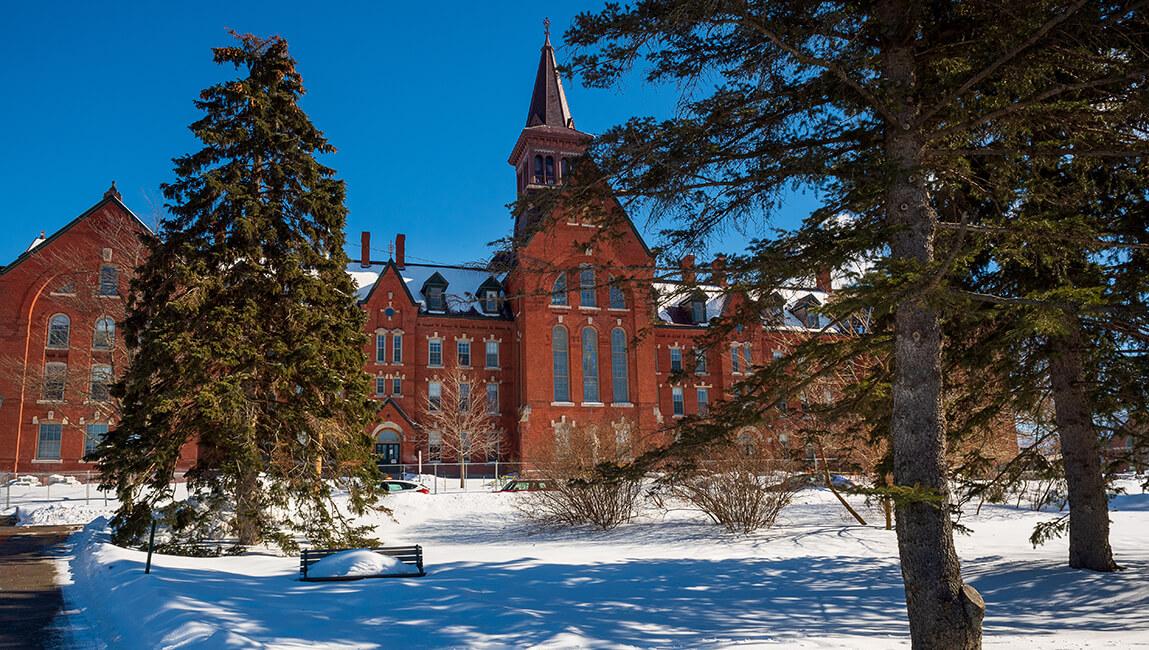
547 147
548 101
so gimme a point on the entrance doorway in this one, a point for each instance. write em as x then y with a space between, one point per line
388 449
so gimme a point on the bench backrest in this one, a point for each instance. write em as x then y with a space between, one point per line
412 555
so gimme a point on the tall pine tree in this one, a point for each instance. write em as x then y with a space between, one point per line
248 339
881 107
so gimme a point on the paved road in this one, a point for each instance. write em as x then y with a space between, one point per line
29 596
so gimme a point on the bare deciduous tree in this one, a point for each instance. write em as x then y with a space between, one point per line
458 424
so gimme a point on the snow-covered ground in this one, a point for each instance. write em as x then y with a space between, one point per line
817 580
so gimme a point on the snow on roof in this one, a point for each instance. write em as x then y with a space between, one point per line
462 284
674 304
36 242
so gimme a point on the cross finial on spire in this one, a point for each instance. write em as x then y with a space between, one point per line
390 250
547 28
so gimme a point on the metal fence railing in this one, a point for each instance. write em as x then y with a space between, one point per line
27 489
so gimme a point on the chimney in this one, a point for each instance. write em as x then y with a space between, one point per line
365 250
688 269
718 270
401 250
822 281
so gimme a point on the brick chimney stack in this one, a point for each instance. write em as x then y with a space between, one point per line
688 269
401 250
822 281
718 270
365 249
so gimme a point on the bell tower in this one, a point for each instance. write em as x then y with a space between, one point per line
549 143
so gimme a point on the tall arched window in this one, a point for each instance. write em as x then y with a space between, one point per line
560 355
59 331
619 377
550 170
565 168
538 169
590 365
559 290
586 287
105 335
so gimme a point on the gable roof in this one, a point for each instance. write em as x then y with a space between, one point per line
41 242
463 284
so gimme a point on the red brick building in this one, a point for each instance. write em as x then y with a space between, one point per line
62 300
579 332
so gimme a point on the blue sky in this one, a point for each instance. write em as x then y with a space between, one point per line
423 101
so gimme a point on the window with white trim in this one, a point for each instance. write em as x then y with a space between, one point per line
590 365
492 399
463 353
619 373
109 280
560 364
104 336
48 441
93 435
435 353
55 374
434 395
59 331
380 386
559 290
396 348
492 354
396 386
703 401
675 359
678 401
101 380
380 347
586 286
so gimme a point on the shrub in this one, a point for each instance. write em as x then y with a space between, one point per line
743 491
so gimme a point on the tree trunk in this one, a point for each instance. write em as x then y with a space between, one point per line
888 504
943 611
1088 504
248 510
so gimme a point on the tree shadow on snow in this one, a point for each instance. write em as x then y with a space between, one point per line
645 602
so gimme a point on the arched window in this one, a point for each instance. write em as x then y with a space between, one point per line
539 170
589 365
59 331
560 355
565 168
617 299
105 335
619 376
559 290
586 287
550 170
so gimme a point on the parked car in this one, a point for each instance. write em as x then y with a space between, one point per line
525 485
395 485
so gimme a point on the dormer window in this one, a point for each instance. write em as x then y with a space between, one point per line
434 290
435 300
698 311
812 320
488 293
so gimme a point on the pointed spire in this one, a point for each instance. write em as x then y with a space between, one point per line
548 101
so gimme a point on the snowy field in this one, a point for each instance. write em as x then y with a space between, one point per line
817 580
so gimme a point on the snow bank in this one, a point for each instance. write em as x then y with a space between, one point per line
59 514
356 563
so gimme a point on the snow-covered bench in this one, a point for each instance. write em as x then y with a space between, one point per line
327 564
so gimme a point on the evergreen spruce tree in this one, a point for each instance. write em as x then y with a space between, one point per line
883 108
248 338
